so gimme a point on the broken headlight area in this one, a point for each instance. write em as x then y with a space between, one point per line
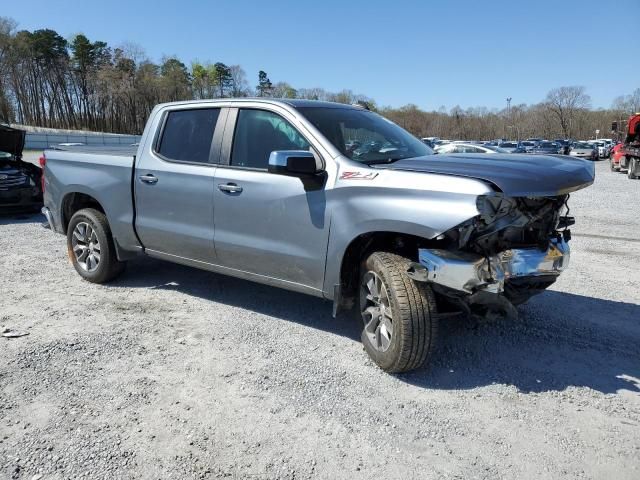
513 249
505 222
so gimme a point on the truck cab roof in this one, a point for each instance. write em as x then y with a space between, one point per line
291 102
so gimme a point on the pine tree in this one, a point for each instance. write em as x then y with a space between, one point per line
264 84
223 77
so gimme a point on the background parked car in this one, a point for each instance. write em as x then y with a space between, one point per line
509 146
430 141
600 147
565 144
525 146
20 182
547 148
584 150
468 148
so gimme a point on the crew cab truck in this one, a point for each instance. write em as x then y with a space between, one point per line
267 190
630 151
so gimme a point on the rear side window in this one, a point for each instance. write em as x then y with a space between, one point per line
258 133
187 135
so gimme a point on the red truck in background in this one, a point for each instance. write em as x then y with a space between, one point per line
614 158
629 154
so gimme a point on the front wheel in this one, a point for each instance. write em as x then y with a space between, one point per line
399 314
91 248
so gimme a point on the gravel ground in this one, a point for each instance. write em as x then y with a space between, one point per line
172 372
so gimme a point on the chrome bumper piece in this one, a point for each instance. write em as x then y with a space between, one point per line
468 272
47 213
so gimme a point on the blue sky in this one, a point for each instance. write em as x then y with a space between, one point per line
431 53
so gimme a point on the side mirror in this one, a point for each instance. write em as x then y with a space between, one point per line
295 162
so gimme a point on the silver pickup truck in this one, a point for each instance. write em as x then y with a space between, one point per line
326 199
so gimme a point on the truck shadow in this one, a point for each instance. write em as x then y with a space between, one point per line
9 217
561 340
290 306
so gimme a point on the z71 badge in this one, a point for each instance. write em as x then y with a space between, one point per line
358 175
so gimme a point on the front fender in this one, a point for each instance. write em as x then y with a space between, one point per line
402 202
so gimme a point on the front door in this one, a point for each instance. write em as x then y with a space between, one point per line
174 186
268 224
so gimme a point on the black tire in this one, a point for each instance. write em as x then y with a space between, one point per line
413 311
631 168
623 161
108 266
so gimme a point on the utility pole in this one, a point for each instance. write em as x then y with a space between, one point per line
509 114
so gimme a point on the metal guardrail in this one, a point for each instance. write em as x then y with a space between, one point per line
40 141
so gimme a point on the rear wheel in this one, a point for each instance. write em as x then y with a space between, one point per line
623 163
399 314
614 167
90 247
631 168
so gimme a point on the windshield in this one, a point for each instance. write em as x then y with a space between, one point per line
547 145
582 145
509 145
528 144
365 136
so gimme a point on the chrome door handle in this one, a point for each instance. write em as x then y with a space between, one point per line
229 187
150 179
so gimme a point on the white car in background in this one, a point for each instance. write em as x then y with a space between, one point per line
509 146
468 148
608 142
601 147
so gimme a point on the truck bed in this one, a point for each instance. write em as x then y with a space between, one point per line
103 173
118 150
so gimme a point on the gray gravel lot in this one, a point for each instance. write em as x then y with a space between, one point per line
172 372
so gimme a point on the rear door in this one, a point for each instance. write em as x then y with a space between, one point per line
173 184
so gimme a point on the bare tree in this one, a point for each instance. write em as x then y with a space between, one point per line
239 85
628 104
564 103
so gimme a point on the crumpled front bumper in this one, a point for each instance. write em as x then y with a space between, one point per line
470 273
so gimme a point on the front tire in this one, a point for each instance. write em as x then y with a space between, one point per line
399 314
90 247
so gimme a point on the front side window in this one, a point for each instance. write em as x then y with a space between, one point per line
258 133
365 136
187 135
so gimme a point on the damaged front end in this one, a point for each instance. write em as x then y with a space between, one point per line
514 248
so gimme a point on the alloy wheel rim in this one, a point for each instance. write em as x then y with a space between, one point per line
376 311
86 246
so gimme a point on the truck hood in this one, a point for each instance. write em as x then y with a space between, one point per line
515 175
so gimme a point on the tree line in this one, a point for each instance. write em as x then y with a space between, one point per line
49 81
564 113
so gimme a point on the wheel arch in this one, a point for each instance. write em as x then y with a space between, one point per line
360 247
72 202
